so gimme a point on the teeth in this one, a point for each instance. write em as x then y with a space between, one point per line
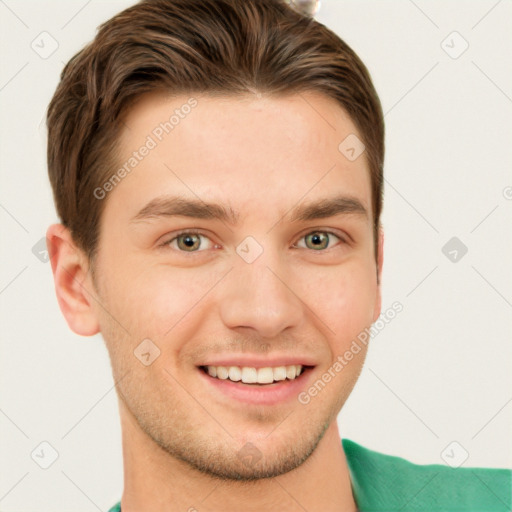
222 372
265 376
279 373
235 373
249 375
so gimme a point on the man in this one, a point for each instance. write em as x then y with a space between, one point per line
217 167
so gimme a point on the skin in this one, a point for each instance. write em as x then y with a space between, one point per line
261 156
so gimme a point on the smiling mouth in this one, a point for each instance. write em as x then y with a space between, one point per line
256 376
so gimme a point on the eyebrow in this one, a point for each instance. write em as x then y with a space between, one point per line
170 206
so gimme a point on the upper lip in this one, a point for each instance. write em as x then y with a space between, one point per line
259 361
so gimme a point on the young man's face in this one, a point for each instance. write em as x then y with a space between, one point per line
265 291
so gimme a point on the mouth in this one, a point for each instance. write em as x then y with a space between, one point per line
268 385
255 376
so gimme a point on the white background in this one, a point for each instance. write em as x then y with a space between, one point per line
440 372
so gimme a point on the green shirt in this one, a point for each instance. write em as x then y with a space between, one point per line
384 483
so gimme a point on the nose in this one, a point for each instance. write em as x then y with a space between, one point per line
261 296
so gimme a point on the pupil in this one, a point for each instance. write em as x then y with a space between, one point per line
188 241
318 239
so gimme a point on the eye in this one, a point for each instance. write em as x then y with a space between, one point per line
319 240
192 241
188 241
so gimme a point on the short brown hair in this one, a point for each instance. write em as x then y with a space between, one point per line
227 47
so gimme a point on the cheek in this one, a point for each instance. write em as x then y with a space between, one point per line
343 299
153 300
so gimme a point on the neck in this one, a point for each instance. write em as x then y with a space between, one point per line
154 480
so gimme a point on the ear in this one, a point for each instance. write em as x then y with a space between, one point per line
380 261
73 285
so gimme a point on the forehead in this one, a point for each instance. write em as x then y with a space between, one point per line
253 149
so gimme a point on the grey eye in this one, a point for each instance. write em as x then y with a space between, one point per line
318 240
189 241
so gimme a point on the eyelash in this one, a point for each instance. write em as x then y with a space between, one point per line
196 232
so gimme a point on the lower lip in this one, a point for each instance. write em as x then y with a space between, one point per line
260 394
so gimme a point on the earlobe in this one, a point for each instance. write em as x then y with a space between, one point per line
380 262
73 287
